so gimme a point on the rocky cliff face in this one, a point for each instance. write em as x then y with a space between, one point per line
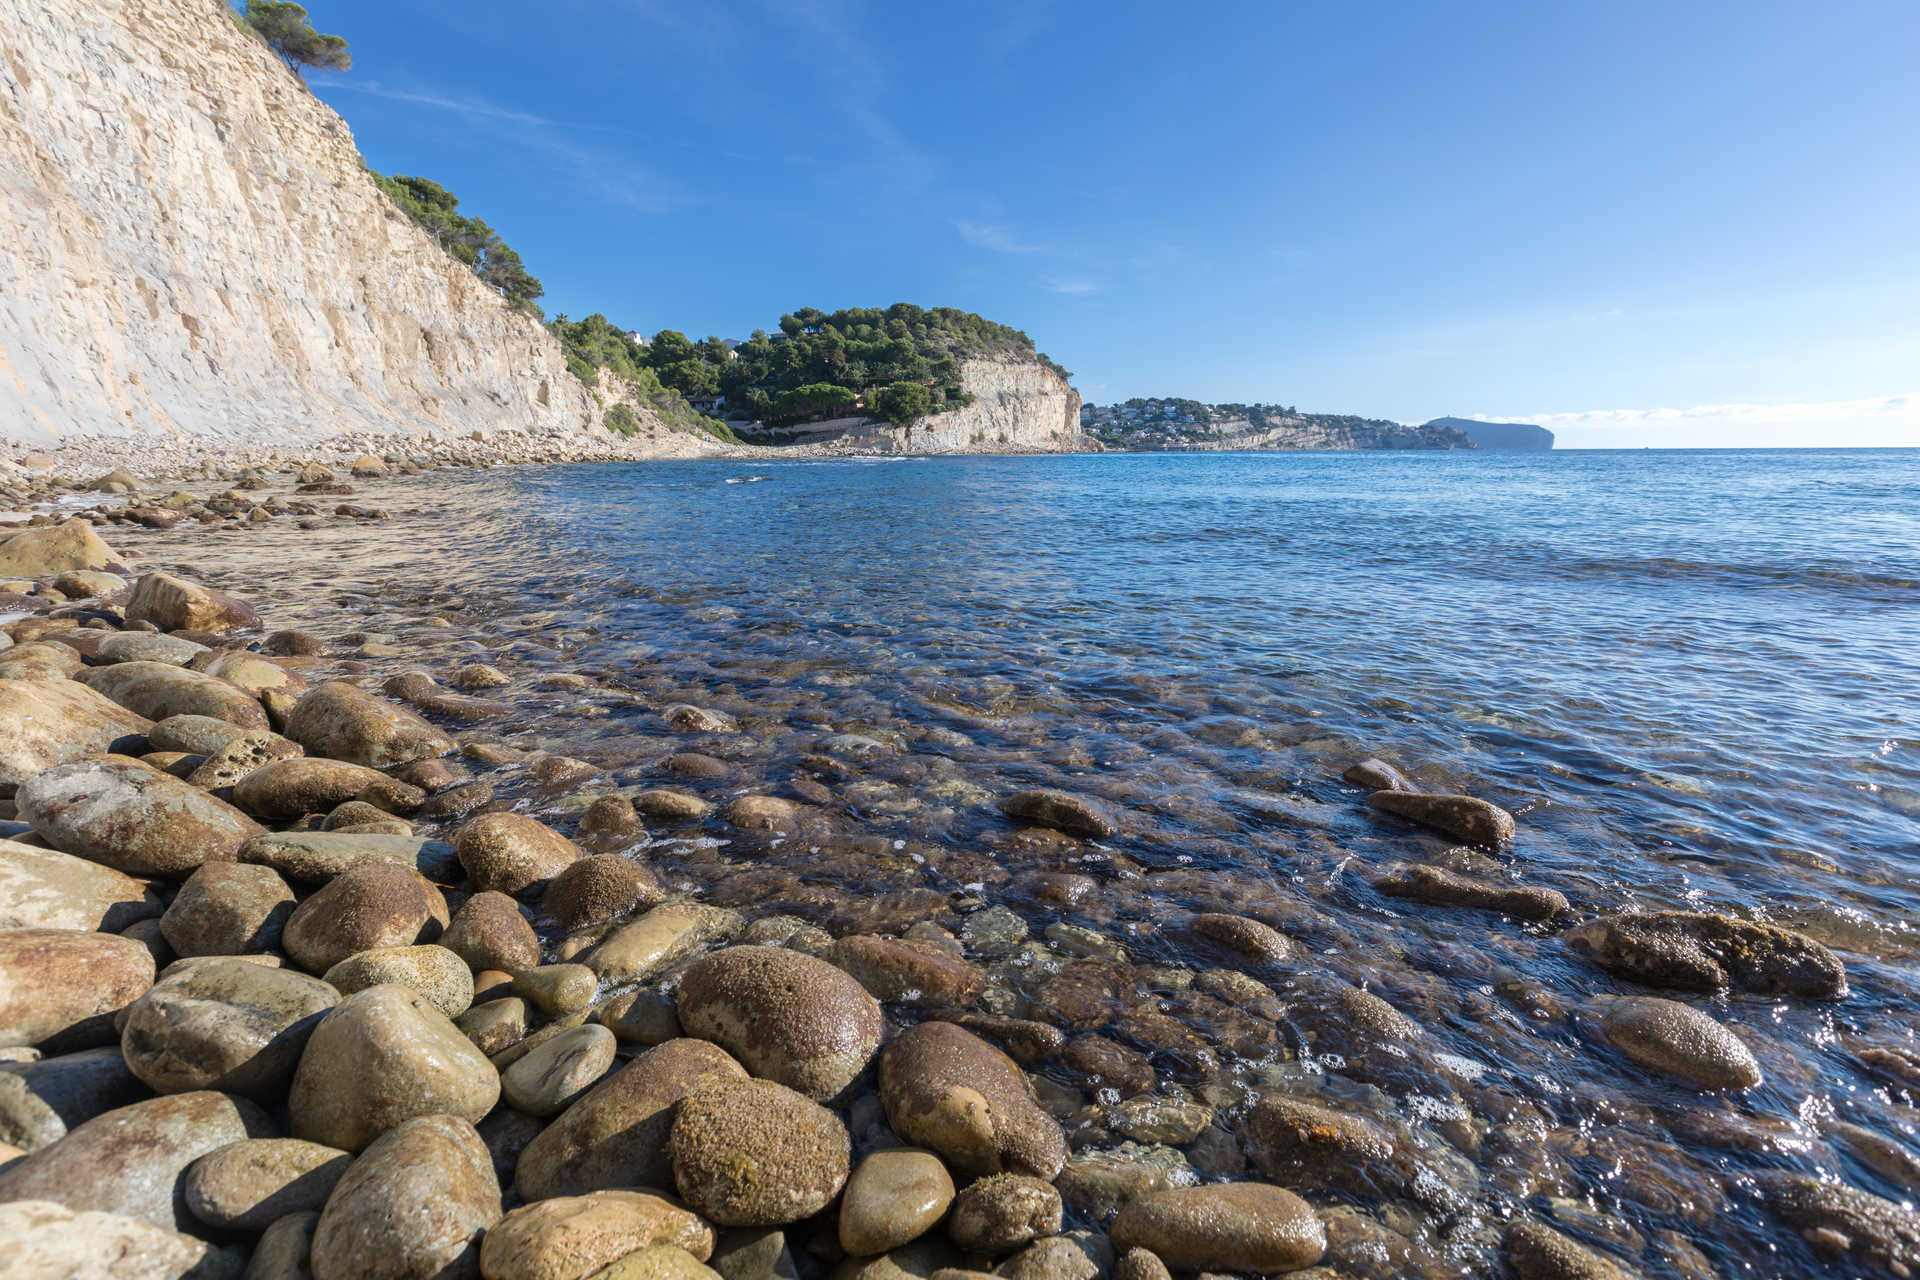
190 248
1019 406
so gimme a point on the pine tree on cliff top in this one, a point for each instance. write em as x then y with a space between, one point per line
285 28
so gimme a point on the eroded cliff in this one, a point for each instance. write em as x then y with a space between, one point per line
190 247
1019 406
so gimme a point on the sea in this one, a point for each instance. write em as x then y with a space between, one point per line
1693 676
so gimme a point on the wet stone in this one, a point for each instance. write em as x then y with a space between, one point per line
1464 818
893 1197
752 1153
1245 1227
788 1017
1441 887
1007 1211
949 1091
1698 951
1680 1042
1064 811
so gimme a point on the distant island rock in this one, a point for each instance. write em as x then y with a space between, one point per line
1498 435
1162 425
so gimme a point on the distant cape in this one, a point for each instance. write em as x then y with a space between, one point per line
1499 435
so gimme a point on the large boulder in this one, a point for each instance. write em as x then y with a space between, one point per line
62 986
46 889
946 1089
384 1056
786 1016
132 817
42 553
160 689
47 1241
288 789
412 1207
617 1135
41 1100
225 1023
1701 951
377 905
174 604
48 722
1244 1227
752 1153
575 1236
133 1160
344 722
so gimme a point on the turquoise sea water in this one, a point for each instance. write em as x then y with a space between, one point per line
1694 676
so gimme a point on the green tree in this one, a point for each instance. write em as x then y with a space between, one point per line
670 347
902 403
285 28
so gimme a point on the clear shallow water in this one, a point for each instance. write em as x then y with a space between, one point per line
1692 675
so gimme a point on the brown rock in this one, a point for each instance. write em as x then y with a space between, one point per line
432 971
47 1241
1244 936
228 909
45 889
1537 1252
412 1207
1680 1042
660 939
132 817
160 689
344 722
1004 1212
42 553
133 1160
617 1134
891 1198
948 1090
384 1056
44 723
1441 887
251 1184
1246 1227
788 1017
602 887
488 932
1699 951
174 604
1063 811
575 1236
376 905
224 1023
288 789
752 1153
63 986
510 852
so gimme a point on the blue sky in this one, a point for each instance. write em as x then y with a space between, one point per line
1640 223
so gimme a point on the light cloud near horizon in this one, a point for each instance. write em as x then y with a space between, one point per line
1890 421
987 235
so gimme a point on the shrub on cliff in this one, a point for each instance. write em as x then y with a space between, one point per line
285 28
472 241
902 403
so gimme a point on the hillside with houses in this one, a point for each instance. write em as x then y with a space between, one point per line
1171 424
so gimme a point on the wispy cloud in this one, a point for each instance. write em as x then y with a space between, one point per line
472 108
1891 420
1076 288
987 235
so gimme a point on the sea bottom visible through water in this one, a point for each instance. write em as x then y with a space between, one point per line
1692 677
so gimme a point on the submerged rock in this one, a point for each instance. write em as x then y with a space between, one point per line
1063 811
948 1090
1245 1227
1462 817
1445 888
1699 951
1840 1221
1538 1252
1377 775
1679 1041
